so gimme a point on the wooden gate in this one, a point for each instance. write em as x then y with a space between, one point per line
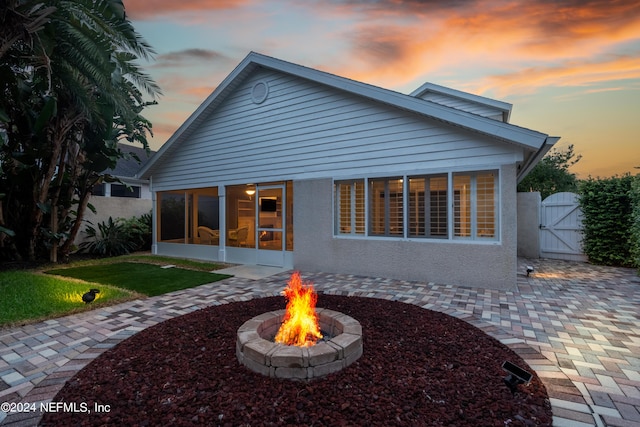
561 228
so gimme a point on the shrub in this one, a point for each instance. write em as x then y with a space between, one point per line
139 230
607 222
635 220
110 239
119 237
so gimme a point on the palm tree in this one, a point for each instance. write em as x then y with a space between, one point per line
77 92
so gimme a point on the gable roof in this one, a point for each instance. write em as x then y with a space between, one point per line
535 144
129 167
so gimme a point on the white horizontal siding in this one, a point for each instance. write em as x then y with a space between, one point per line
464 105
306 130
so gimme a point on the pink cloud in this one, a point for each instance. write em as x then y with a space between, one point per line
146 9
572 73
188 56
163 130
184 88
199 92
489 35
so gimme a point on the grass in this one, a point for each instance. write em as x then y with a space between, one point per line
153 259
147 279
29 296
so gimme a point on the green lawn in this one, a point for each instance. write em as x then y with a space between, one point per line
29 296
143 278
151 259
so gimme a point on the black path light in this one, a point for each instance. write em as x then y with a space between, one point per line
90 296
516 376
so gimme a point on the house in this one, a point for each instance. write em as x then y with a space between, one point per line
290 166
127 198
125 171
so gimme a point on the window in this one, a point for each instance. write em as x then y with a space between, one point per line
474 207
486 205
98 190
443 206
189 216
120 190
350 207
172 216
386 210
428 207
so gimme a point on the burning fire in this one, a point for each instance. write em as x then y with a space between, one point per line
300 326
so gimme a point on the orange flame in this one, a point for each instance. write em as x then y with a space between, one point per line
300 326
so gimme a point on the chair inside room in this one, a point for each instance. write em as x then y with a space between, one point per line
208 236
238 237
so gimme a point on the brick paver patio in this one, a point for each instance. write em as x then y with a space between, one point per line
576 325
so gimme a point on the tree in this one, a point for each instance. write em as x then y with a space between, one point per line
69 94
551 175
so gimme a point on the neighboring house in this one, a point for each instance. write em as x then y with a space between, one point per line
128 198
126 170
290 166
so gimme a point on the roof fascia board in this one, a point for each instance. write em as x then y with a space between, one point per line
536 157
131 180
196 115
526 138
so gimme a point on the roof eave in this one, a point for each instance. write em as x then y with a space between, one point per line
525 138
223 88
521 136
533 160
505 131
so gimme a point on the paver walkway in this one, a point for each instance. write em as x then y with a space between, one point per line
576 325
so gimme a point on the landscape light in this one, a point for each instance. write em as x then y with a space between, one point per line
516 376
90 296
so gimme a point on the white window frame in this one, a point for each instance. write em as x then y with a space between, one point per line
387 207
474 206
427 206
353 207
366 181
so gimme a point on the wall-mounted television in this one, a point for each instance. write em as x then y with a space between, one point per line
268 205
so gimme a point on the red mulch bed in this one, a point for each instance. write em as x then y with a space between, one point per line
419 367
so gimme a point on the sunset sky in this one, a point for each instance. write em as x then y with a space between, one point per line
571 68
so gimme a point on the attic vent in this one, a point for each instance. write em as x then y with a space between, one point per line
259 92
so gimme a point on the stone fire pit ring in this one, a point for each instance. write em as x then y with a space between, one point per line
256 350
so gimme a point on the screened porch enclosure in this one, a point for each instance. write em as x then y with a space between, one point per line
189 216
246 223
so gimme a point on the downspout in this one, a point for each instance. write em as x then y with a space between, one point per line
535 158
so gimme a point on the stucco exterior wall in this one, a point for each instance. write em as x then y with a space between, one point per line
486 265
529 224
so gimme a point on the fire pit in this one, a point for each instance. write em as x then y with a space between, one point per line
300 342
